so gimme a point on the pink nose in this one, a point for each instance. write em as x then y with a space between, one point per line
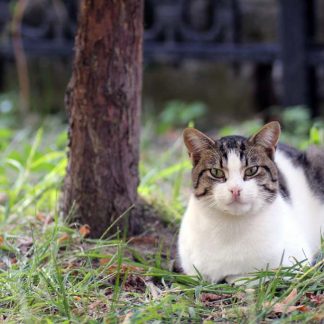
235 192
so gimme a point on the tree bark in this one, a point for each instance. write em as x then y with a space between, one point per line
103 102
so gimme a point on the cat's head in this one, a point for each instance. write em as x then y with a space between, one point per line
234 174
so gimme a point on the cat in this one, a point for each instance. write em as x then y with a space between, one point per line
255 204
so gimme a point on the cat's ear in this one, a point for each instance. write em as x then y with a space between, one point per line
267 136
196 142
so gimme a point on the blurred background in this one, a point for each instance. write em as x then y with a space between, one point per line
210 61
223 66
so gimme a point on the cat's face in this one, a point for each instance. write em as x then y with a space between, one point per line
235 175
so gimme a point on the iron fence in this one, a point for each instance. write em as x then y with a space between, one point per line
198 29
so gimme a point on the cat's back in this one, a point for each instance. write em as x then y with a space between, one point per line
292 162
302 185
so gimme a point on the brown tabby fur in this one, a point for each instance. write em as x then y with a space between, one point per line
209 153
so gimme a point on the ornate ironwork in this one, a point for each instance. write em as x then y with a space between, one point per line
173 28
47 27
191 21
178 29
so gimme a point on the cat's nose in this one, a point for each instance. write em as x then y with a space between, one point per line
236 191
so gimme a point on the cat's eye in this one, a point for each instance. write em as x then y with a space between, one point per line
217 173
251 171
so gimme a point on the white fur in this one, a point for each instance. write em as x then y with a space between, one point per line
224 240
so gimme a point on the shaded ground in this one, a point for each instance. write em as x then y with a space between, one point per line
56 272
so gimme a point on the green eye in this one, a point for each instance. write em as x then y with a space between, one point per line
217 173
251 171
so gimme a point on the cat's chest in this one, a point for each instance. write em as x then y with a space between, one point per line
221 238
242 239
218 252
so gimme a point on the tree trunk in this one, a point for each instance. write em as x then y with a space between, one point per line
103 102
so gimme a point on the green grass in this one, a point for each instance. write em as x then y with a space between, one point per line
51 273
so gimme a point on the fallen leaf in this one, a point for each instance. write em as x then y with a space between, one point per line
124 268
291 297
44 218
104 261
145 240
1 239
84 230
210 300
209 297
284 309
303 308
316 299
64 237
286 306
41 217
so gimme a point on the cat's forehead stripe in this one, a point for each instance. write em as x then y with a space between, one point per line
233 143
234 161
236 144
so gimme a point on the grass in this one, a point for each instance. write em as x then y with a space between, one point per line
51 272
